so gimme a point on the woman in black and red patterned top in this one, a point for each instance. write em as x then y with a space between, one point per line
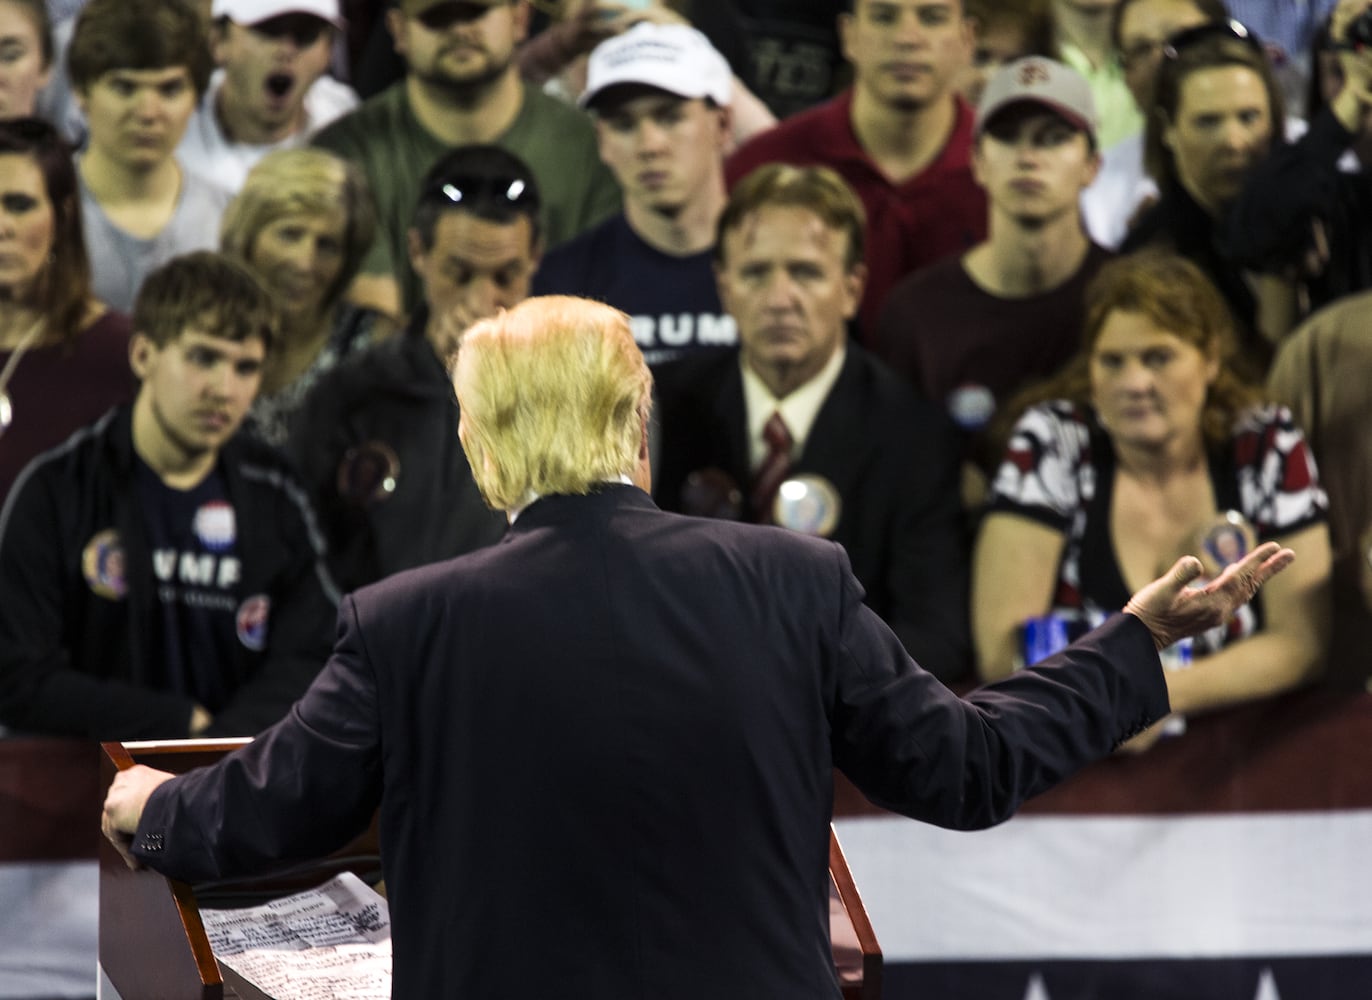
1148 448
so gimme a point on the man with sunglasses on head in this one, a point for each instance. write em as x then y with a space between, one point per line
376 441
462 86
271 90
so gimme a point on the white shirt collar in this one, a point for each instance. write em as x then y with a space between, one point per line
799 409
531 496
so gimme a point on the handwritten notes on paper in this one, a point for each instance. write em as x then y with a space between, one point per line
329 943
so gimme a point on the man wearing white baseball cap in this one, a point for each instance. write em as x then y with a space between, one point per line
970 330
271 89
660 95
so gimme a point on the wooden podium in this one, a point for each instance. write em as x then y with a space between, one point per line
153 944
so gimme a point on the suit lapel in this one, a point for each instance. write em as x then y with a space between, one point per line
730 416
842 438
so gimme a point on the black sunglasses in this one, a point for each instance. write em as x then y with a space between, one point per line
445 15
1187 37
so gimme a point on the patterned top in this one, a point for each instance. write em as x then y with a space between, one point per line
1059 470
272 416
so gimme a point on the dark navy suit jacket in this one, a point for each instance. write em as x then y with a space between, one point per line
603 752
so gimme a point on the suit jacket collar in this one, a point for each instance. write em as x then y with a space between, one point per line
562 509
841 435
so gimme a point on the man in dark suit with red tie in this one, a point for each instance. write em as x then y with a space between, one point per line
811 430
602 750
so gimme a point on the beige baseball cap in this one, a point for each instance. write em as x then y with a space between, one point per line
1036 80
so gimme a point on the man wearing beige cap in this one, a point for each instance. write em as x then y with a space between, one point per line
970 330
271 89
462 86
660 95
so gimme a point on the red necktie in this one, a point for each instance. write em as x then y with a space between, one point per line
776 464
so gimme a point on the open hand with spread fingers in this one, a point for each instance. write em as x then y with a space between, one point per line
1172 609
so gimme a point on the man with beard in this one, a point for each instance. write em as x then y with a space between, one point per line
271 90
901 137
462 87
660 95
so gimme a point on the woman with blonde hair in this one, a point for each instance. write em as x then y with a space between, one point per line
1149 447
302 223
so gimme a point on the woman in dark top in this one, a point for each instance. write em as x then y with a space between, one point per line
63 354
1216 110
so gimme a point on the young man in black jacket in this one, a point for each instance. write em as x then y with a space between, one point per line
160 575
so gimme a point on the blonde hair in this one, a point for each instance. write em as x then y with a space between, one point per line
303 181
554 394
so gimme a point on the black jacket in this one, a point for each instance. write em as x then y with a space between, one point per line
1178 223
74 662
397 394
1270 225
892 458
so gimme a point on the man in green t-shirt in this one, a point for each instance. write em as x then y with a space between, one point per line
462 86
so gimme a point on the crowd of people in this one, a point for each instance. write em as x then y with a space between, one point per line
1018 302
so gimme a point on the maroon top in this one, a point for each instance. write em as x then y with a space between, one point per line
939 211
969 350
57 389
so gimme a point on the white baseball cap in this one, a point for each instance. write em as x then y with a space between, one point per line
250 12
670 57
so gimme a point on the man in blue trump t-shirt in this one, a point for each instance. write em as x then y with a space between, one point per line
660 95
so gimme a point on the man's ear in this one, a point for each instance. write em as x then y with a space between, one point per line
854 284
522 13
845 27
219 40
1164 127
395 24
415 246
1093 165
142 355
726 126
